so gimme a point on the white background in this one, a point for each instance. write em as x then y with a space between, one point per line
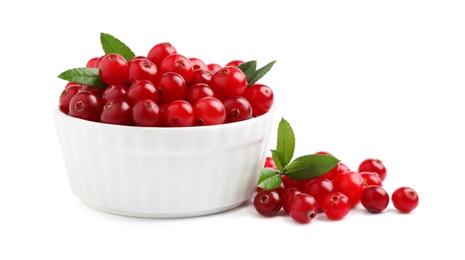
357 78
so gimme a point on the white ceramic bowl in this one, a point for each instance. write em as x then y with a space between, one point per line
157 172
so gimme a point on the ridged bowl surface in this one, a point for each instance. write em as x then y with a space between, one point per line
158 172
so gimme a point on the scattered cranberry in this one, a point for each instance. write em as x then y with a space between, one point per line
336 205
269 163
374 198
373 165
351 184
371 178
319 188
405 199
287 196
303 208
267 202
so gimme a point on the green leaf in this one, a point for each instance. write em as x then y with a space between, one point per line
309 166
110 44
269 179
286 141
278 159
85 76
249 69
261 72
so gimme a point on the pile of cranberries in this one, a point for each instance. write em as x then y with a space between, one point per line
166 88
334 193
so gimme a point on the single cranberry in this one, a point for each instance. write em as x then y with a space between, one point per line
336 205
113 69
319 188
113 92
267 202
200 76
373 165
237 109
374 198
213 67
117 112
198 64
198 91
371 178
141 90
351 184
405 199
260 97
66 95
146 112
269 163
160 51
234 63
142 68
179 64
209 111
303 208
85 105
287 196
228 82
178 113
171 86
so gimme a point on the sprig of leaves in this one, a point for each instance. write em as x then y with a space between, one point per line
301 168
90 76
253 74
111 44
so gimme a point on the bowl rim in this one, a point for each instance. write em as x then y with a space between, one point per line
59 114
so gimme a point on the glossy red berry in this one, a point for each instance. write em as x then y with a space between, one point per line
66 95
374 198
113 92
146 112
91 62
171 86
228 82
260 97
117 112
179 64
373 165
237 109
287 196
198 91
405 199
335 205
234 63
160 51
319 188
142 68
269 163
303 208
141 90
85 105
209 111
96 90
351 184
371 178
267 202
200 76
198 64
213 67
178 113
113 69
